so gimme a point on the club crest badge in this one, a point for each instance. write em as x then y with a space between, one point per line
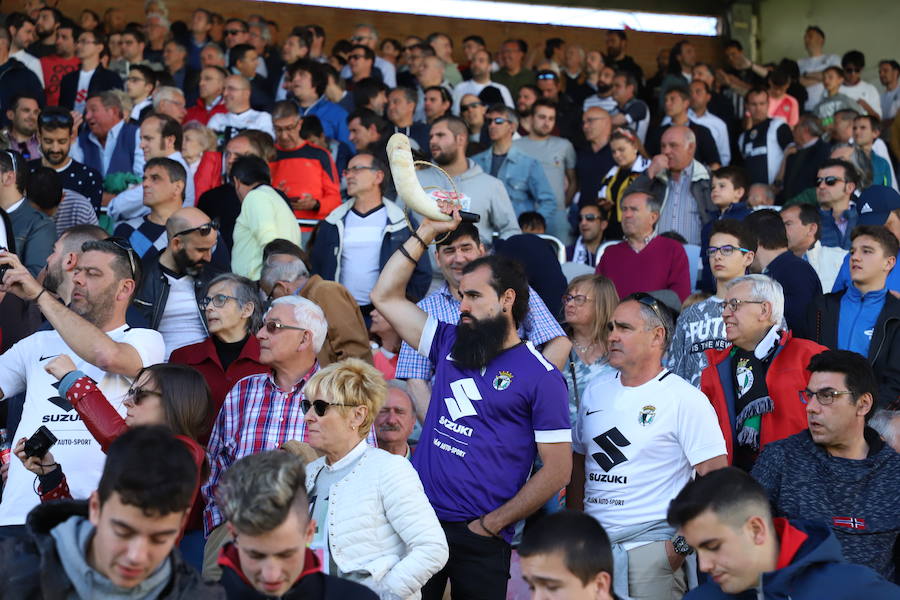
744 376
647 414
502 380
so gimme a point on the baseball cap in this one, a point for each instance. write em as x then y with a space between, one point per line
876 203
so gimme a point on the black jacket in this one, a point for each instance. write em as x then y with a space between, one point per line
16 78
884 350
101 81
30 568
312 584
154 291
801 169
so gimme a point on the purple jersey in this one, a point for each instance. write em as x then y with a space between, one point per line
479 438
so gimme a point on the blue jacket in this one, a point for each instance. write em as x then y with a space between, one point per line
122 160
856 321
333 118
843 278
881 171
817 571
325 255
737 211
525 181
830 235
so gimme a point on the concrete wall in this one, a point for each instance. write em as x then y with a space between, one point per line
869 26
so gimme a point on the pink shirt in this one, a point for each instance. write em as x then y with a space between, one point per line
786 108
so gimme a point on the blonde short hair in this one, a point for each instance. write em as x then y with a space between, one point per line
351 382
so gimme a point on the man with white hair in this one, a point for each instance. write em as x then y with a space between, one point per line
262 412
168 100
753 384
396 420
367 35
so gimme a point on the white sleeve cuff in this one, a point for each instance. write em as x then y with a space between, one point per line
553 436
427 337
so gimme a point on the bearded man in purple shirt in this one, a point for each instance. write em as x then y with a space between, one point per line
496 404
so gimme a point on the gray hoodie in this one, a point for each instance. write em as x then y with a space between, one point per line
72 539
481 194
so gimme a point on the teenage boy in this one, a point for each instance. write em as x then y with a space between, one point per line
732 247
728 194
864 317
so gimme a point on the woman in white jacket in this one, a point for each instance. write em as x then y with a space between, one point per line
374 524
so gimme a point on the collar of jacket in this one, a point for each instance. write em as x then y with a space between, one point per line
229 558
698 173
395 215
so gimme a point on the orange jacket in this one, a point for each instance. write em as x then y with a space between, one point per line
307 169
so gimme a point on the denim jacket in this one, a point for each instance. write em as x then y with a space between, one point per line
525 182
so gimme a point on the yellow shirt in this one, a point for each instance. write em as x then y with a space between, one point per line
265 216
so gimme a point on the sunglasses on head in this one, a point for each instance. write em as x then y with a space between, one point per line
829 181
53 118
320 406
546 76
123 245
203 230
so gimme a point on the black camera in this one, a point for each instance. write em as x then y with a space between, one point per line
3 268
39 444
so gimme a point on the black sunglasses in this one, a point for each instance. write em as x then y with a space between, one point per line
123 245
55 118
829 181
203 230
500 120
651 303
320 406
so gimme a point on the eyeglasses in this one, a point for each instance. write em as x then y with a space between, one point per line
358 168
465 107
320 406
274 326
825 397
829 181
726 250
123 245
500 121
590 217
735 304
135 79
218 300
137 395
203 230
233 31
288 128
578 299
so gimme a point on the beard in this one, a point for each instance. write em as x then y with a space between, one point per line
443 158
53 278
186 265
97 309
604 89
479 342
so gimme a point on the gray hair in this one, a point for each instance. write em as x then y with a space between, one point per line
887 424
309 316
215 47
264 32
371 29
653 319
401 385
245 291
281 270
166 92
257 492
766 289
654 204
768 190
501 109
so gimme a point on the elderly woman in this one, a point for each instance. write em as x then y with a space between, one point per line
233 314
588 304
631 160
199 152
374 523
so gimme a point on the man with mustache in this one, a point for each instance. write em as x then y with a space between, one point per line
495 405
174 285
396 420
55 135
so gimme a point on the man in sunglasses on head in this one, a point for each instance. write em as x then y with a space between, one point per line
92 330
174 283
640 434
262 412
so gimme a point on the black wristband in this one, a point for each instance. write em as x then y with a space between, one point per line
420 240
483 526
43 289
403 251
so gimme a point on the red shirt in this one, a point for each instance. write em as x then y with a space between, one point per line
55 68
198 112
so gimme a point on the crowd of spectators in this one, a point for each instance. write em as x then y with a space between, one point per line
657 356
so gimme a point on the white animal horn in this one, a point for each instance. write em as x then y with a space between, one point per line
408 188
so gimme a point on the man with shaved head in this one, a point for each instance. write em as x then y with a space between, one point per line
239 116
679 183
172 292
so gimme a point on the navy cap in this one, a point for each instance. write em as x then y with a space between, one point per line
876 203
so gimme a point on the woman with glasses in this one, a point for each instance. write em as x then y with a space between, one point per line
631 160
163 394
375 525
588 306
233 314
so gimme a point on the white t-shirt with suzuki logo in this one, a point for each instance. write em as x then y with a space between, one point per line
640 445
22 370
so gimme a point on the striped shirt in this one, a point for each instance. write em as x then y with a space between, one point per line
539 327
679 212
256 416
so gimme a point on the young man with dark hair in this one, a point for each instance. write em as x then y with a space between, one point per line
92 78
730 252
263 499
307 80
800 282
866 130
55 135
120 542
728 194
727 518
567 555
815 474
836 181
803 226
593 220
763 143
491 374
676 104
865 317
834 100
863 92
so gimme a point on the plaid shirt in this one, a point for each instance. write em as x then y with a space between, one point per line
256 416
539 327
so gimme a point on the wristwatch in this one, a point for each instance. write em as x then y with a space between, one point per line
681 546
